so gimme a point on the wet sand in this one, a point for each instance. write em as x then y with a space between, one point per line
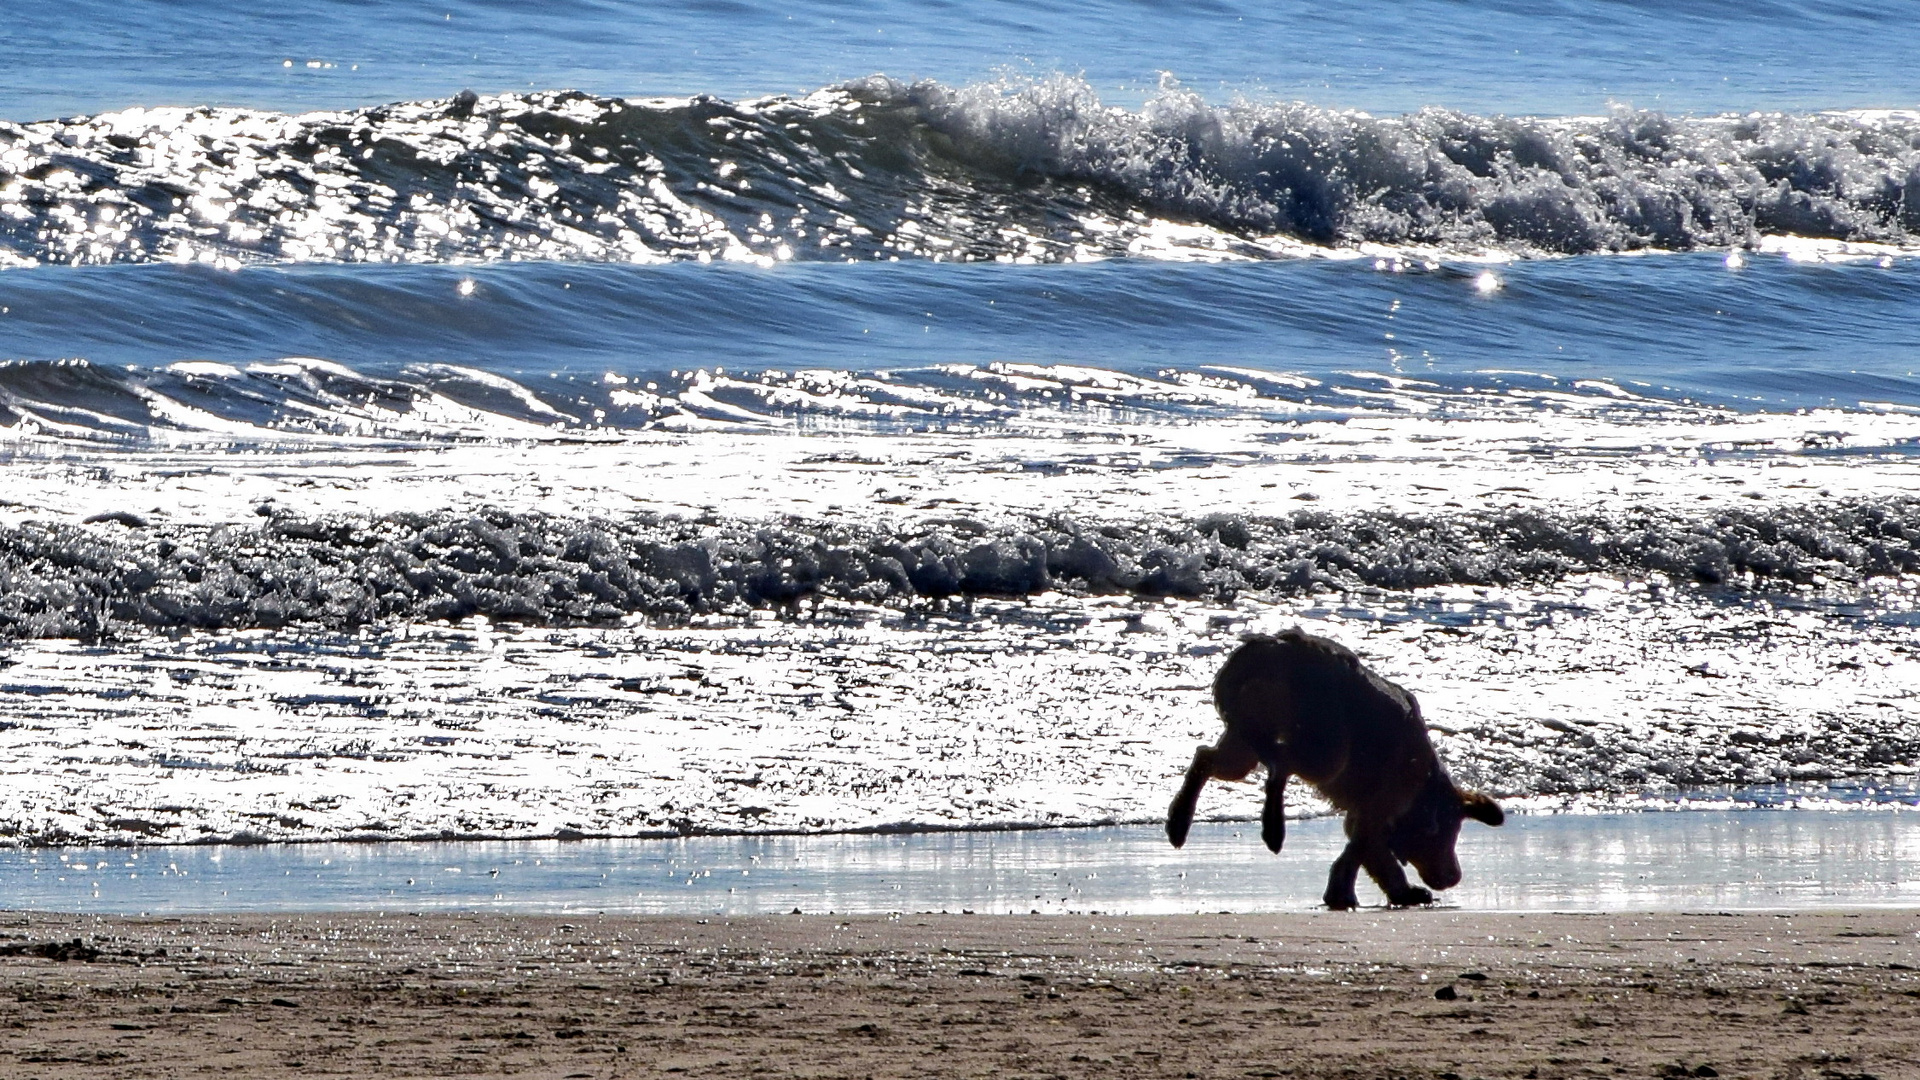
1441 994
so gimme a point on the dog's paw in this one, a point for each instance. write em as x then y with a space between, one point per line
1274 836
1346 901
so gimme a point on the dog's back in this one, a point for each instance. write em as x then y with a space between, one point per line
1353 735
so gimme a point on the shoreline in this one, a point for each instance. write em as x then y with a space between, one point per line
1893 792
1517 806
1832 995
1670 861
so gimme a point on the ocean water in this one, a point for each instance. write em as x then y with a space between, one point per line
1700 860
643 420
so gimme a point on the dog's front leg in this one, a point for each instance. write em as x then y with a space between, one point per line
1340 895
1180 814
1386 872
1273 815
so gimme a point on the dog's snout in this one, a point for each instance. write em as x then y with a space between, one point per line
1441 876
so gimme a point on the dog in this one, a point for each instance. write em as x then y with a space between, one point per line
1306 706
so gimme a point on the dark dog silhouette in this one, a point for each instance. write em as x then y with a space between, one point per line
1305 706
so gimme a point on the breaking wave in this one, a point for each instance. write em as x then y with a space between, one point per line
339 572
1037 170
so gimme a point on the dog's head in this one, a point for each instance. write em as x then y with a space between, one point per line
1424 836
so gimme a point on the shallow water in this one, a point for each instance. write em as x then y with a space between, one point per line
1651 861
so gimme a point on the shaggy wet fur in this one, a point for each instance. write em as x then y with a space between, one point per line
1305 706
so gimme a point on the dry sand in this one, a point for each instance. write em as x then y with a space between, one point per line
1438 994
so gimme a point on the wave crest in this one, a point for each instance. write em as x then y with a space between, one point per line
1028 170
1632 180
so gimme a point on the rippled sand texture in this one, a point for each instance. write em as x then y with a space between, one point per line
1419 994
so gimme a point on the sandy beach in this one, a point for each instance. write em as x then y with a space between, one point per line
1442 994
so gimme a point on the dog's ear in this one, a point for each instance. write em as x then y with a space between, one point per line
1480 808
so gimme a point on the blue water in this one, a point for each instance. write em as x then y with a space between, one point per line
1772 335
1035 134
994 209
1548 57
943 171
986 211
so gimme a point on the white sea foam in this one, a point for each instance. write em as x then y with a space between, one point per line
770 602
1056 712
1590 682
1014 170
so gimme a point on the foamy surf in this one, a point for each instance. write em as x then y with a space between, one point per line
1031 170
764 626
1055 711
